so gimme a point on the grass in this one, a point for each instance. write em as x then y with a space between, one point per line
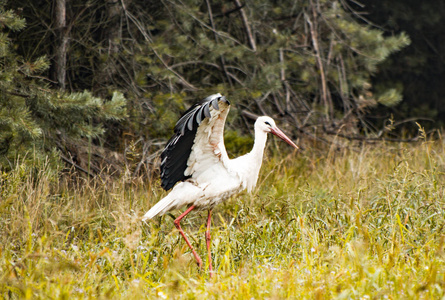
365 224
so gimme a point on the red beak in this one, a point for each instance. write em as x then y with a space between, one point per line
276 131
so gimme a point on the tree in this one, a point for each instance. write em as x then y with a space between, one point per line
309 62
36 120
418 71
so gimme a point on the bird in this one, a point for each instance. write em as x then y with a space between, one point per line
196 167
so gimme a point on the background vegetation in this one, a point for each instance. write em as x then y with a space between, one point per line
93 88
419 68
313 64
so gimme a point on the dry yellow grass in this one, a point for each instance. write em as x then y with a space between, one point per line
366 224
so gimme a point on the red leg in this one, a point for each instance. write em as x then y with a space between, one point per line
209 220
177 221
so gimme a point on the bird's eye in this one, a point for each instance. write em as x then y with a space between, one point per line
267 123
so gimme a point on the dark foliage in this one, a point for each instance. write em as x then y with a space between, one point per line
418 70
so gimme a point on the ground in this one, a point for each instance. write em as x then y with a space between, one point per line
362 223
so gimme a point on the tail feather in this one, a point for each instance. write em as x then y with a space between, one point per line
160 208
184 193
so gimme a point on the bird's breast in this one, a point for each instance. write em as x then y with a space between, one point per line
247 170
217 183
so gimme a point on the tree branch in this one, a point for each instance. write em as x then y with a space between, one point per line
246 25
148 39
223 63
314 36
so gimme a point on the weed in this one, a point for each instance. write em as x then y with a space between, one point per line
365 224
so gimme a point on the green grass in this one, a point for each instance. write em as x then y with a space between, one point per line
366 224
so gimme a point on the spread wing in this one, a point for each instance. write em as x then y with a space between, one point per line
197 143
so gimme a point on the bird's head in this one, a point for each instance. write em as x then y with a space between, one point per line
267 124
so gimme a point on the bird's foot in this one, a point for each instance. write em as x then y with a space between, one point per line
199 262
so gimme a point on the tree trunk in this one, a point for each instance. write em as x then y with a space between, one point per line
61 43
110 41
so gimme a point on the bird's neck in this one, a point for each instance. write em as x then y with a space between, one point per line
256 155
254 160
258 147
248 166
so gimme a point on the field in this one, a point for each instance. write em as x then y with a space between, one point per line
351 224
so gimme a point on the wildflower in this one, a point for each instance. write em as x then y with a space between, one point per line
162 295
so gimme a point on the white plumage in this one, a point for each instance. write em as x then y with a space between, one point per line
196 156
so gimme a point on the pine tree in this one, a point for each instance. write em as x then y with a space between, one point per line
418 70
311 61
34 118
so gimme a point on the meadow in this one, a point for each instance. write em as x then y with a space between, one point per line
360 223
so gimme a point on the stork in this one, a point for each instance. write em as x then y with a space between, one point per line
196 158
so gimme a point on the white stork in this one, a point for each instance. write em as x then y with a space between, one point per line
196 157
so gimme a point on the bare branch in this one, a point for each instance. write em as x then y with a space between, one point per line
71 162
219 33
314 35
223 63
283 79
246 25
249 115
148 39
226 13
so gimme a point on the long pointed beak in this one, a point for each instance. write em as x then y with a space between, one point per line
276 131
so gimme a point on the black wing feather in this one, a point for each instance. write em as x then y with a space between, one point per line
177 151
215 105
